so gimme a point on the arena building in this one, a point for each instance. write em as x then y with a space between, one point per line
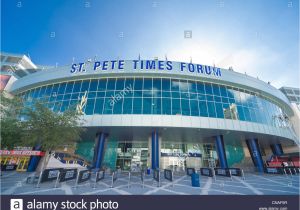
160 114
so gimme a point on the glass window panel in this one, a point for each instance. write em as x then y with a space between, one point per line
183 86
138 93
147 93
241 113
176 107
129 83
247 114
138 84
166 106
89 108
166 94
194 108
102 84
127 106
223 91
94 85
36 92
208 88
175 95
120 84
192 87
157 84
210 98
100 94
185 106
55 88
64 106
62 88
230 93
59 97
147 105
48 90
166 84
110 94
108 105
99 105
41 93
92 95
184 95
137 106
175 85
225 100
111 84
147 84
219 110
216 89
200 87
69 88
253 115
75 96
258 116
193 95
211 109
201 97
68 96
118 104
217 98
77 86
203 108
156 105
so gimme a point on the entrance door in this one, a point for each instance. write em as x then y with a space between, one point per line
132 155
210 156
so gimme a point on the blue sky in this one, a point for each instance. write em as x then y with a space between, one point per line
260 37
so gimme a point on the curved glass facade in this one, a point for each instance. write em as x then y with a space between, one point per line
158 96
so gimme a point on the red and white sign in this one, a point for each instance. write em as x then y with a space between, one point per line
22 152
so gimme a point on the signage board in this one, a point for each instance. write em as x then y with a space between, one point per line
206 172
236 171
144 65
168 175
68 174
222 172
8 167
84 175
22 152
50 174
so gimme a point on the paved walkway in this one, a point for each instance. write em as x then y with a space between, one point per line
254 184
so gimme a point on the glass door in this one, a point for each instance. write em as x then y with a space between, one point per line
132 155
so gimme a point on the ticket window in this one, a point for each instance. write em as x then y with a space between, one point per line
22 163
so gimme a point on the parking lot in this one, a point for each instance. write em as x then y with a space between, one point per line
14 183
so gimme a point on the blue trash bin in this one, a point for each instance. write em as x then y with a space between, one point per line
148 171
195 180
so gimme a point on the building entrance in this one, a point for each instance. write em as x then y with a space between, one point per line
132 155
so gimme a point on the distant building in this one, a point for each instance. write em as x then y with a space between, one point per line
293 94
